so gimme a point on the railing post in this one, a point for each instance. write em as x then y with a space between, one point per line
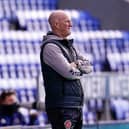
107 98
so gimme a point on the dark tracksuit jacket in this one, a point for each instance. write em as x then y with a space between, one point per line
62 82
64 94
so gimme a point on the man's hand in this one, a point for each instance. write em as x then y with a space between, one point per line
84 66
73 64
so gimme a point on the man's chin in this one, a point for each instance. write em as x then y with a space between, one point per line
69 33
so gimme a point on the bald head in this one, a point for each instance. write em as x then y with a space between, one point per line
55 17
60 23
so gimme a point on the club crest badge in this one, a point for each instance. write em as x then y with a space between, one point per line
68 124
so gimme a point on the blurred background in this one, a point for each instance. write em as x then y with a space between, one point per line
101 33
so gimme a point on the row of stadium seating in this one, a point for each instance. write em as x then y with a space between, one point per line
8 7
19 54
92 108
37 20
19 70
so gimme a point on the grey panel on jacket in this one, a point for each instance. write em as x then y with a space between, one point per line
53 56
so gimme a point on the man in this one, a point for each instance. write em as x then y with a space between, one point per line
9 114
62 66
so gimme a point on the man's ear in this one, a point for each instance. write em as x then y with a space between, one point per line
57 24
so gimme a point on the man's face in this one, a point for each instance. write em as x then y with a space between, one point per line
64 25
11 99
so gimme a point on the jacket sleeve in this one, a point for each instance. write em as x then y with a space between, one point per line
53 56
83 64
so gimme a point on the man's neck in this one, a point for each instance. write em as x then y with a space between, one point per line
59 35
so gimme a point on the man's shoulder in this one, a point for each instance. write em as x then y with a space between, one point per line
50 45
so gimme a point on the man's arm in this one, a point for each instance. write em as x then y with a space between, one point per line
53 56
83 64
